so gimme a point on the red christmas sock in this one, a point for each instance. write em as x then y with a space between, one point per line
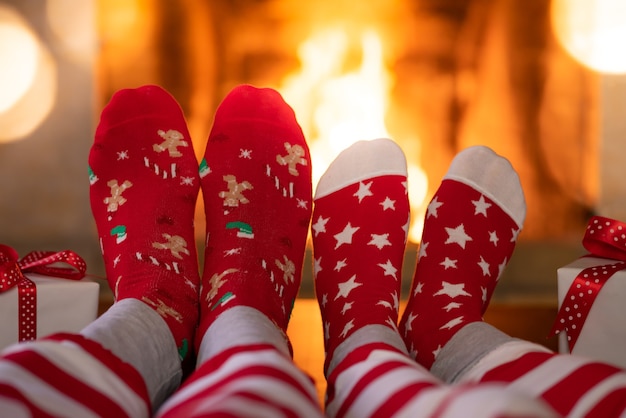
469 235
256 183
360 225
144 185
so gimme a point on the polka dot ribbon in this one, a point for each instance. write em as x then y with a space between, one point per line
605 238
47 263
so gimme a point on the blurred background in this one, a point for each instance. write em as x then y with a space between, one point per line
539 81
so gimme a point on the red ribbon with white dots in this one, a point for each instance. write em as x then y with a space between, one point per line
12 271
605 238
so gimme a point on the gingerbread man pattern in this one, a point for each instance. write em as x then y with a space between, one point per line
172 139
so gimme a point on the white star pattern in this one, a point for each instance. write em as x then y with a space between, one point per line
340 264
380 241
389 269
364 191
388 204
346 287
480 206
448 263
405 227
457 236
422 251
346 307
501 267
418 288
324 299
317 266
122 155
303 204
245 153
345 236
409 322
515 233
437 350
484 266
347 328
452 323
326 330
320 225
433 206
452 305
493 237
483 290
452 290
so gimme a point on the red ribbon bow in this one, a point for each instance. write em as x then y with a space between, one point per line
12 271
604 238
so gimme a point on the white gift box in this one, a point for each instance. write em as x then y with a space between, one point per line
603 335
62 306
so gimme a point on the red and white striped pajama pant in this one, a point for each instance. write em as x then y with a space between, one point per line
68 375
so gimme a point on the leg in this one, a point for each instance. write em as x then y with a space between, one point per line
360 225
469 235
151 264
257 190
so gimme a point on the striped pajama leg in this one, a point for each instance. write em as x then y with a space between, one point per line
379 380
124 364
246 381
245 370
574 386
70 376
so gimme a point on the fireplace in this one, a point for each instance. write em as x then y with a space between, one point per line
434 75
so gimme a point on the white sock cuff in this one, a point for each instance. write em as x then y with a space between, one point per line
361 161
482 169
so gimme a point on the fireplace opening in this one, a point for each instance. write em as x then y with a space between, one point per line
434 75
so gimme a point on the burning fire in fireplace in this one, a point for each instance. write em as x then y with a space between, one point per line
340 99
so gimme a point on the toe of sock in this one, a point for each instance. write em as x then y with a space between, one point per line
492 174
360 161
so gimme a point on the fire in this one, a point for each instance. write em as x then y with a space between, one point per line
340 99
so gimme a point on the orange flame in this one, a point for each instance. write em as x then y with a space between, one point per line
338 103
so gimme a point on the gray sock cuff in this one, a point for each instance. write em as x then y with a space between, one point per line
470 344
138 335
237 326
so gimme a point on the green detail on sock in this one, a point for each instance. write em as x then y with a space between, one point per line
224 300
203 169
120 231
183 350
92 176
244 229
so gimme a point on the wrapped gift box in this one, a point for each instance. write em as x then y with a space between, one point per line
603 335
62 306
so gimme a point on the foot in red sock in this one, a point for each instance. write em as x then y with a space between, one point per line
360 225
256 182
470 231
144 185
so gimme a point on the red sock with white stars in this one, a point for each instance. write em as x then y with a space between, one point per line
359 226
256 182
144 185
470 230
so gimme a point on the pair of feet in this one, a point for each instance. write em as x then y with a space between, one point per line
255 178
256 185
360 225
